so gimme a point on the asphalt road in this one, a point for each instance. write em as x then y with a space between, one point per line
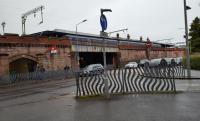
54 101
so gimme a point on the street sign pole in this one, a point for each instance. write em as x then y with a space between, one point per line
106 89
103 22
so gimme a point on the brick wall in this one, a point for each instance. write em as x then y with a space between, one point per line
38 50
132 55
16 47
4 69
137 53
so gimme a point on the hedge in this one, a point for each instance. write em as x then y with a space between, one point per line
195 62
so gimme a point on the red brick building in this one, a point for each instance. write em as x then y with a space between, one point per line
53 50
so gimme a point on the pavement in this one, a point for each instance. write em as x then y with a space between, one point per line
55 101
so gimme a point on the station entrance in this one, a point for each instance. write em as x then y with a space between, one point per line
87 58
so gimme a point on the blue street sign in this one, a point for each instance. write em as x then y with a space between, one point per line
103 22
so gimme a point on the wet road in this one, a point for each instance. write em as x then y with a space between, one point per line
54 101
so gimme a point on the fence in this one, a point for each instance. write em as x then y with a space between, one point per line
37 76
135 80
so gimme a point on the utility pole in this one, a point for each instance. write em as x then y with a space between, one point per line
187 40
3 26
25 15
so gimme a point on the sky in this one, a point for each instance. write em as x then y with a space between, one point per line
156 19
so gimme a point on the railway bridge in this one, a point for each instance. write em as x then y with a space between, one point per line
54 50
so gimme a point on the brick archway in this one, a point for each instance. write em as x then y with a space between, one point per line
16 57
22 64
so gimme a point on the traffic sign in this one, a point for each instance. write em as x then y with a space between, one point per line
103 22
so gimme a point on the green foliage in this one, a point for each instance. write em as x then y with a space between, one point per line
195 62
195 34
195 45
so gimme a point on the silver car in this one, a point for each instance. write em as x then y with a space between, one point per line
169 60
179 60
144 61
155 62
131 65
98 68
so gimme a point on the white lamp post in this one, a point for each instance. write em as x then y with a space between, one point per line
77 50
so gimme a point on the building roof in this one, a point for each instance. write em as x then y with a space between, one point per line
80 35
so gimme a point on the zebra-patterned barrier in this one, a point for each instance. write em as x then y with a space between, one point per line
134 80
89 84
166 71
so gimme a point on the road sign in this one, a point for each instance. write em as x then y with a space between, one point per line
54 50
103 22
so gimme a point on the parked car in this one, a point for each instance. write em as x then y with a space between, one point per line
170 60
155 62
179 60
143 62
98 68
131 65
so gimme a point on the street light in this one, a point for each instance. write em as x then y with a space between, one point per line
187 41
117 31
77 50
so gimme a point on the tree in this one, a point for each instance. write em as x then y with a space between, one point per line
195 35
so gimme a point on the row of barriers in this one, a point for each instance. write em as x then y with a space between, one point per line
37 76
157 79
145 79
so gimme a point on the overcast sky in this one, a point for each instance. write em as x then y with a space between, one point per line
157 19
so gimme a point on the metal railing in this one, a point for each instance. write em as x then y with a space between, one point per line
37 76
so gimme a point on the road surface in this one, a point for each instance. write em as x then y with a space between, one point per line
54 101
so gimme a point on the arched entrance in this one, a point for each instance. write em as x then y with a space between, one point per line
22 65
